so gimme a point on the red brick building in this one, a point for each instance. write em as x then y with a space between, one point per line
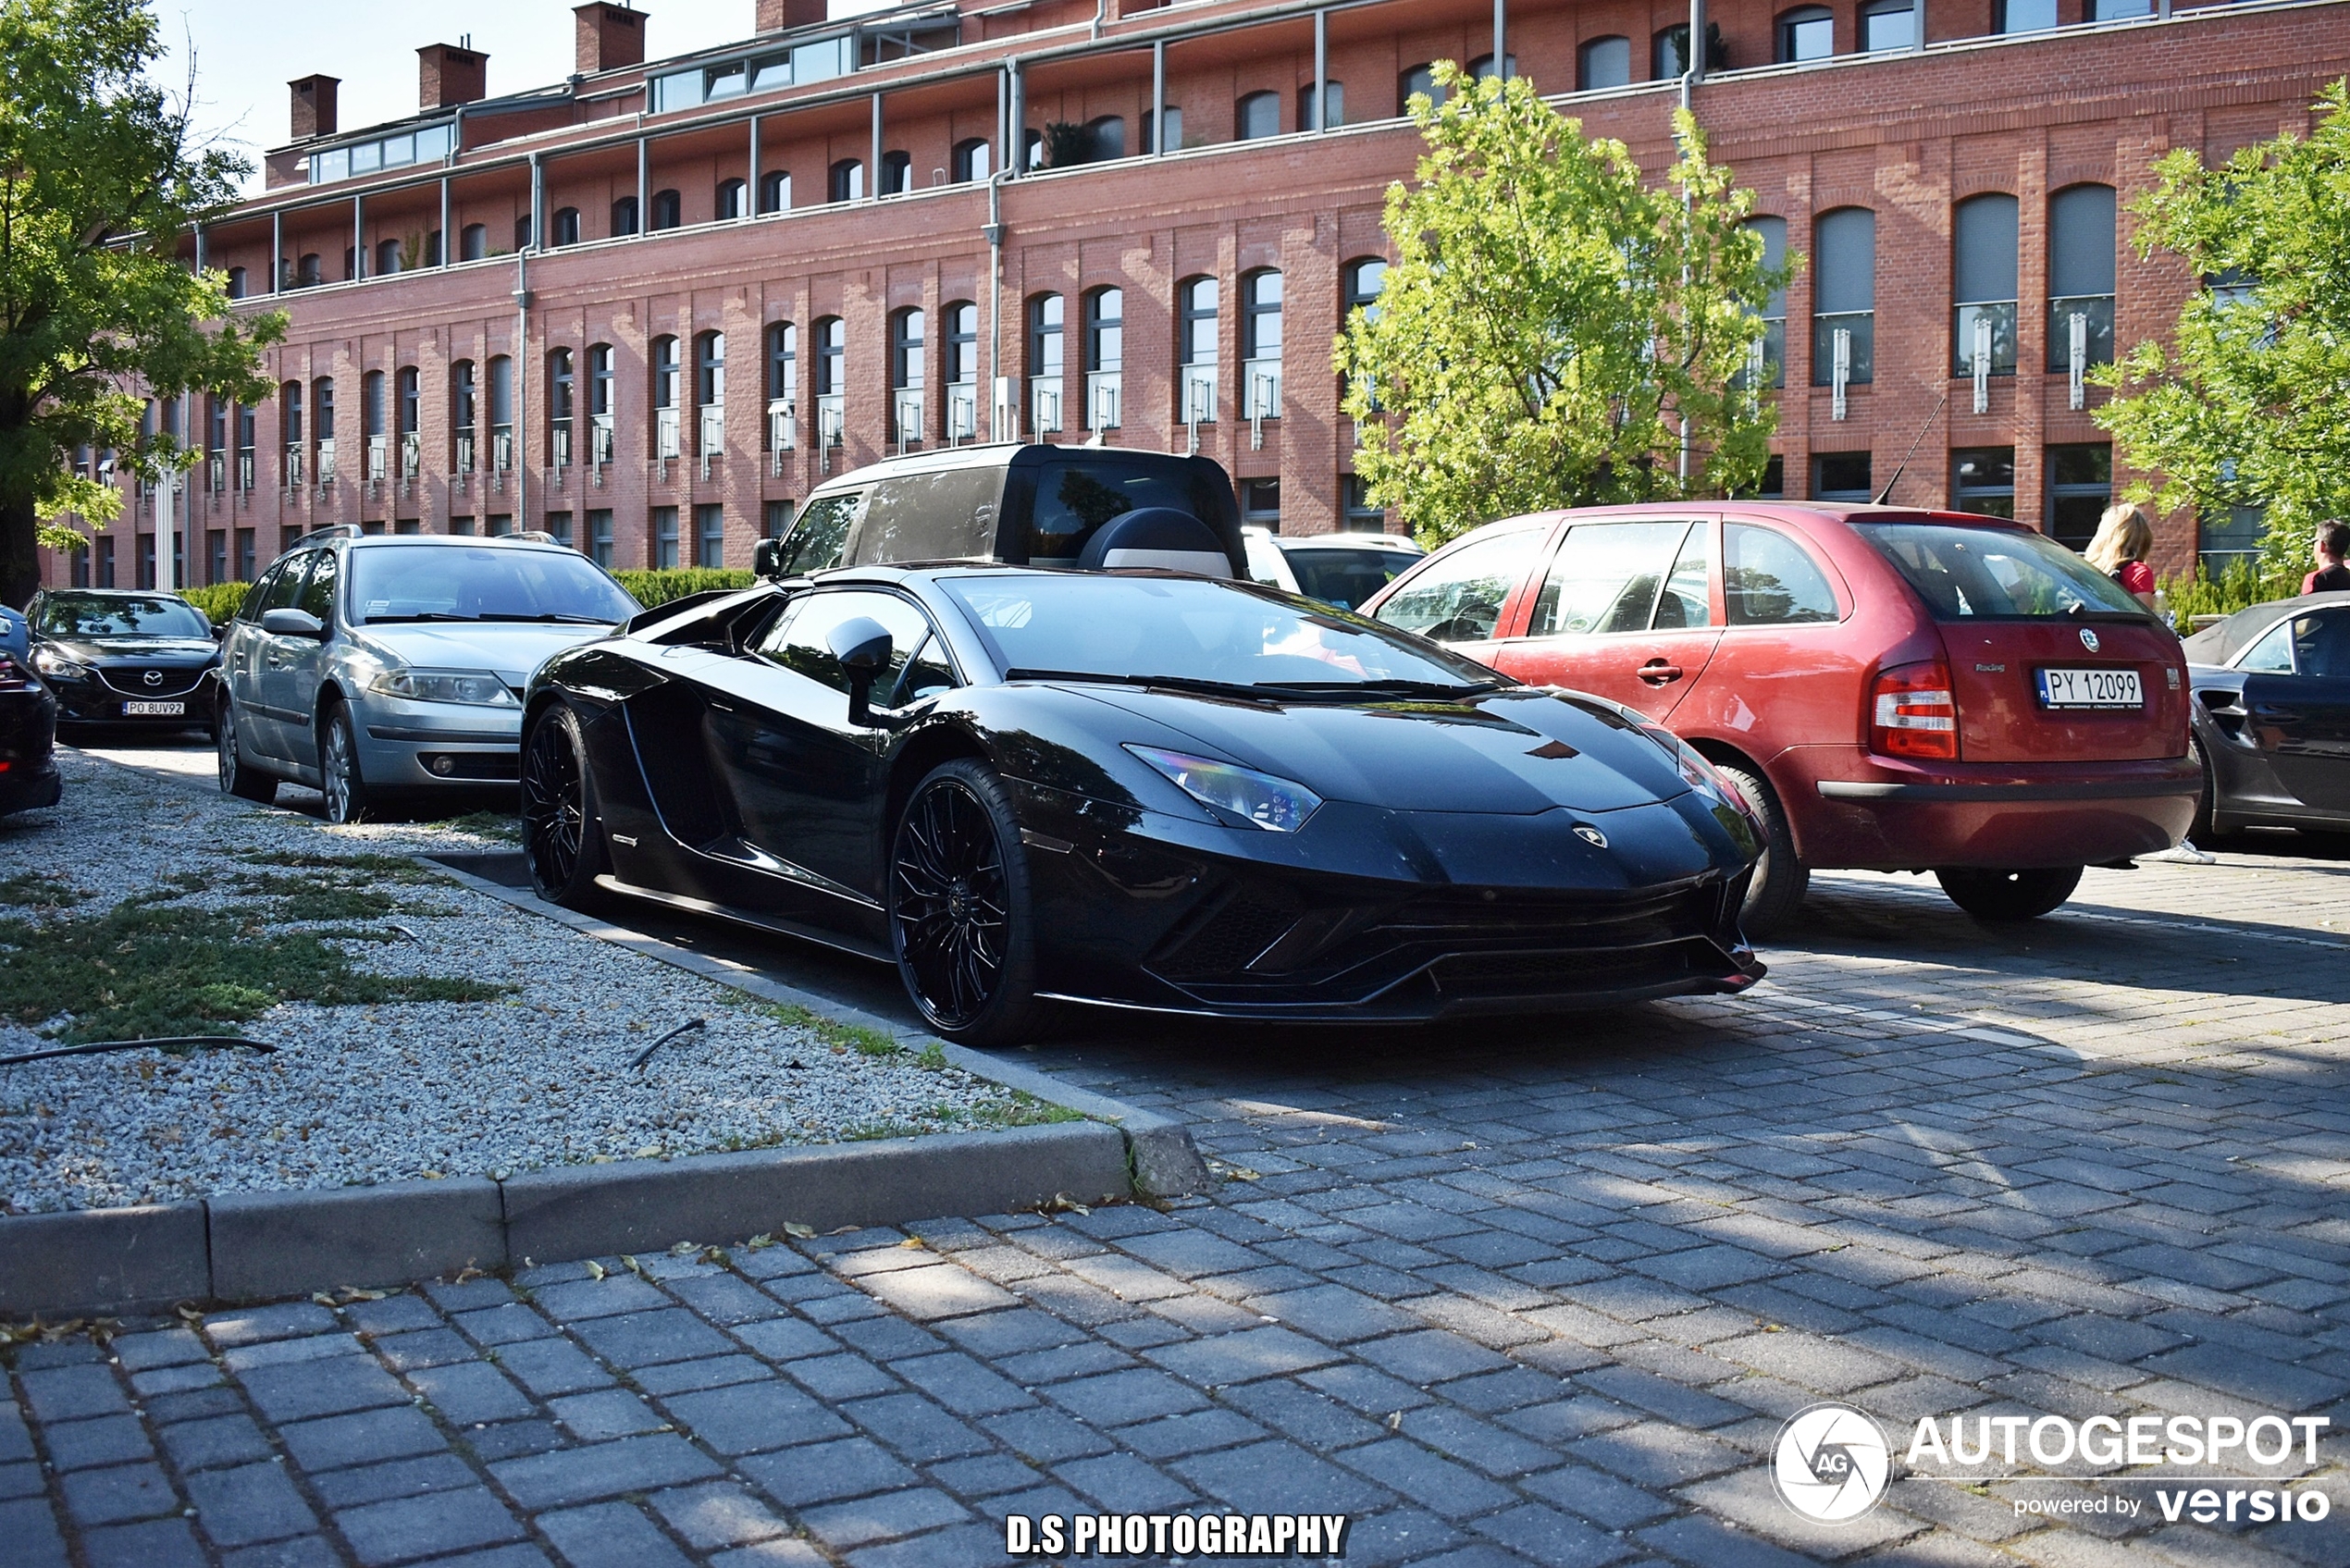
648 308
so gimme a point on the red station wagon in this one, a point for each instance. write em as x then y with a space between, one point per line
1893 690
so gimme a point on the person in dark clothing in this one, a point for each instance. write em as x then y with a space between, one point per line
2331 545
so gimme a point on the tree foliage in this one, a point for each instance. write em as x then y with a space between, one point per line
2249 405
1552 319
99 180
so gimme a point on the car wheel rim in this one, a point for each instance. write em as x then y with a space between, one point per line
554 806
338 774
952 913
226 742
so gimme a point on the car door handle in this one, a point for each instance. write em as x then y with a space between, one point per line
2276 713
1657 673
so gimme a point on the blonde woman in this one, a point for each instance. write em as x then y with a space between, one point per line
2124 540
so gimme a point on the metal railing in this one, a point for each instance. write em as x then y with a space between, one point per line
1104 390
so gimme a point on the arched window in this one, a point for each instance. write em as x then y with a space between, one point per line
522 233
1173 115
1772 231
1844 294
1366 279
1603 62
774 191
846 181
322 409
371 404
959 346
1108 136
906 329
1982 247
1258 115
624 218
564 229
1045 366
501 412
709 393
1482 67
1334 106
236 283
1261 344
728 200
666 376
1806 33
783 361
408 399
1031 149
668 210
473 241
831 357
432 248
1888 24
1418 82
387 258
2081 219
561 402
896 173
1105 358
309 272
463 390
974 159
600 403
1195 340
289 421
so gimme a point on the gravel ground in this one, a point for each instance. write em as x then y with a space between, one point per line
404 1090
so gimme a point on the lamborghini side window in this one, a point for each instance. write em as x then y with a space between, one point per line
802 641
2272 655
927 674
818 536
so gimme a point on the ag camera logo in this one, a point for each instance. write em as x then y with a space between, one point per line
1830 1463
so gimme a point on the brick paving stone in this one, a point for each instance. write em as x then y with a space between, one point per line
400 1477
105 1440
645 1338
364 1438
471 1393
403 1529
156 1543
883 1516
66 1393
602 1470
425 1347
751 1417
719 1514
328 1386
609 1413
252 1503
548 1367
609 1535
252 1326
302 1551
916 1427
1116 1398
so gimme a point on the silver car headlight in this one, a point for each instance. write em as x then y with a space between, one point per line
1264 800
49 662
474 689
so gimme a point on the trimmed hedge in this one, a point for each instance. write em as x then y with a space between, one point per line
221 600
654 589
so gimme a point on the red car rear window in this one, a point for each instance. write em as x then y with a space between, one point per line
1997 573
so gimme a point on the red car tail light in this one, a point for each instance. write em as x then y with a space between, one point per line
13 676
1913 711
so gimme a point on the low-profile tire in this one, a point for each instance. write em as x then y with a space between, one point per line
2201 828
238 777
562 829
960 921
2008 896
347 798
1781 879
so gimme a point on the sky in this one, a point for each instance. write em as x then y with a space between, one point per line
247 50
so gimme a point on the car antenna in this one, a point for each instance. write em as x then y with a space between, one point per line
1887 493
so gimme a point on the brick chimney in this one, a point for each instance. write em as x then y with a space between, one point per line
448 73
774 16
314 106
606 37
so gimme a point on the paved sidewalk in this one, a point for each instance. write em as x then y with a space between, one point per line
1503 1295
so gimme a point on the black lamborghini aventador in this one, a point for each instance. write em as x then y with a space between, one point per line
1140 789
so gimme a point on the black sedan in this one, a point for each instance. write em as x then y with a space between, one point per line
28 735
1145 790
118 657
2271 715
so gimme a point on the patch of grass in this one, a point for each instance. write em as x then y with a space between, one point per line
38 889
832 1031
300 899
352 870
499 825
142 970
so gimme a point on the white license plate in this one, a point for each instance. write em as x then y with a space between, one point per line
2091 689
154 710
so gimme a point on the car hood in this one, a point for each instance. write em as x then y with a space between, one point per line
1513 752
510 649
145 650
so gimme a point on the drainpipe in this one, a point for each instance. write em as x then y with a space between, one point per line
1101 14
994 234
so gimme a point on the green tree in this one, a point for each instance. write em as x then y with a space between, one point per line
2249 404
1554 330
100 177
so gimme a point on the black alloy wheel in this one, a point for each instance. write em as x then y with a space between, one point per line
2008 896
562 834
238 777
959 907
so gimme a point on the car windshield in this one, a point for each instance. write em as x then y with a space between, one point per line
1997 573
1345 577
1198 632
395 583
105 615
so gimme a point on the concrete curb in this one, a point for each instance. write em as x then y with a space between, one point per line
1164 1160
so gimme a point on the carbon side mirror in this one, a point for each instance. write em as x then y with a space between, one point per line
767 560
862 645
